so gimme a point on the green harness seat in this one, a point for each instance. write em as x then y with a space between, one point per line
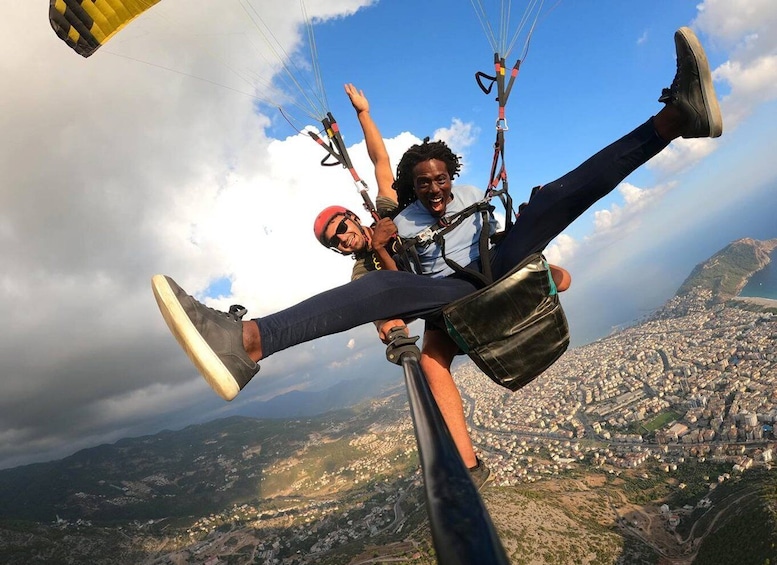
513 329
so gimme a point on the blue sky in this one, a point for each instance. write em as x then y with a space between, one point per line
124 165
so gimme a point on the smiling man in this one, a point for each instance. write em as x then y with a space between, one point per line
341 230
425 190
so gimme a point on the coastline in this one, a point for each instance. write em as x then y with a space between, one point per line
769 247
768 302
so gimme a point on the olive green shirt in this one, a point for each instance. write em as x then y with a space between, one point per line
368 261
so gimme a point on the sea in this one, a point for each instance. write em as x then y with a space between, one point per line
763 284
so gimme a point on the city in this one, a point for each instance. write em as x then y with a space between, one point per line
687 383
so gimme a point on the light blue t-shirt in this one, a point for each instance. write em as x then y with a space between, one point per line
461 243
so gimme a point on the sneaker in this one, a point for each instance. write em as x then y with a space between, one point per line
212 339
692 91
480 474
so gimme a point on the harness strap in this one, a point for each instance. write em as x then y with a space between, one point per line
436 233
407 254
447 223
500 177
336 150
498 169
407 258
503 91
483 277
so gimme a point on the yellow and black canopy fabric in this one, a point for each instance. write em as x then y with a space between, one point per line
87 24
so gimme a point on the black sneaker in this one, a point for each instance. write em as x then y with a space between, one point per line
212 339
692 91
480 474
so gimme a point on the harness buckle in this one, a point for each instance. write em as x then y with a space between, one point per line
426 236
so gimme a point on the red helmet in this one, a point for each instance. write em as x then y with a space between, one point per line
324 217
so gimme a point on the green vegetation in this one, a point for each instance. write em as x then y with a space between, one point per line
291 475
697 478
22 526
747 535
662 420
635 552
726 271
641 490
649 427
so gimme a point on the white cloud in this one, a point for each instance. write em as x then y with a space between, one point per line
749 76
746 28
610 224
116 170
459 136
347 361
745 25
682 155
751 85
561 250
620 219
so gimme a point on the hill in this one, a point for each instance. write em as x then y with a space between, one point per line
727 272
305 404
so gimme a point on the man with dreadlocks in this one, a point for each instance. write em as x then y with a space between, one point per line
425 193
226 350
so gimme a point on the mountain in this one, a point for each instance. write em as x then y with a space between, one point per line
301 404
197 470
726 273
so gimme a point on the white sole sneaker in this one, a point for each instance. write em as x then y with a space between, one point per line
710 99
194 345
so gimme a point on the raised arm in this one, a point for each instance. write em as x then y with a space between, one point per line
376 149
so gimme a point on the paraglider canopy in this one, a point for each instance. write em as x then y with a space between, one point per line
85 24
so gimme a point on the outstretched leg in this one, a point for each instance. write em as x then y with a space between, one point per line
226 350
691 110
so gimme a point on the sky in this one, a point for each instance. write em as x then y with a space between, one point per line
162 153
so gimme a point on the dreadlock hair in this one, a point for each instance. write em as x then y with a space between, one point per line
418 154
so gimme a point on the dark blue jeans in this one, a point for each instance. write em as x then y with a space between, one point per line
394 294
